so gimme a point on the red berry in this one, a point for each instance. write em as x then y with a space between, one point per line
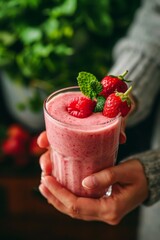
81 107
117 103
13 146
113 83
16 131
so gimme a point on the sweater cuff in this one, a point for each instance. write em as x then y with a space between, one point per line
151 163
141 71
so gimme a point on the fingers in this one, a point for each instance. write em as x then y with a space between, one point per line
57 190
57 196
87 209
42 140
126 195
44 161
45 164
68 203
100 180
50 198
107 177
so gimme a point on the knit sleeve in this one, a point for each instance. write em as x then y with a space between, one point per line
151 163
139 52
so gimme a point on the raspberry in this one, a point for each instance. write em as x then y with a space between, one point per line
81 107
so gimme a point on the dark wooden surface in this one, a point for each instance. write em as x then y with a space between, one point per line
25 215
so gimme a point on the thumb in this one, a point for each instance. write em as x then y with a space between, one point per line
107 177
102 179
42 140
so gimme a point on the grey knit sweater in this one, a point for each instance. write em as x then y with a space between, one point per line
139 52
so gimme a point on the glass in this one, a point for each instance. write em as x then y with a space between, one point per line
78 150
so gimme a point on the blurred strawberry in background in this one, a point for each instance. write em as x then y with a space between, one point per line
19 145
13 147
18 132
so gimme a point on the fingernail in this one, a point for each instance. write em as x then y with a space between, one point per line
90 182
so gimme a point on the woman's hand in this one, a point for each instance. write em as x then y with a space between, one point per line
129 189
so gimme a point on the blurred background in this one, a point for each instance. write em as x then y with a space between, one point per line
43 46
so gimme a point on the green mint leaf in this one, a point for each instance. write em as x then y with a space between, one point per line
89 85
100 104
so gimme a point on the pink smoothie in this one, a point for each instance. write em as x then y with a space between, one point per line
79 146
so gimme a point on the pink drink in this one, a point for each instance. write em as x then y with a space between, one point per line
79 146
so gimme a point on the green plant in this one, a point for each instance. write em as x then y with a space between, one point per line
45 43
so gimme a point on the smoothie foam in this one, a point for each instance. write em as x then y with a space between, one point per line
79 146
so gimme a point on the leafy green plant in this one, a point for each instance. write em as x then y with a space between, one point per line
45 43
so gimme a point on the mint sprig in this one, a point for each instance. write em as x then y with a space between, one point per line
100 104
89 85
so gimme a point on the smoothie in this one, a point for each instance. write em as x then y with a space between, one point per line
79 146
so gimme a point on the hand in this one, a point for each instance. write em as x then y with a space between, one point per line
129 190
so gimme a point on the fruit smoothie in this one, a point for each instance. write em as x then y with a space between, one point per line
79 146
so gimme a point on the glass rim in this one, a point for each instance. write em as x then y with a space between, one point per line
50 96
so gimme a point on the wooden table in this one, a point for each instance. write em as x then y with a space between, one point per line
26 215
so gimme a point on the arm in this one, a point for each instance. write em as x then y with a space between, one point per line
151 163
139 53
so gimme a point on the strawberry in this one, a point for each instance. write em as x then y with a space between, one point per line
81 107
13 146
112 83
117 103
16 131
